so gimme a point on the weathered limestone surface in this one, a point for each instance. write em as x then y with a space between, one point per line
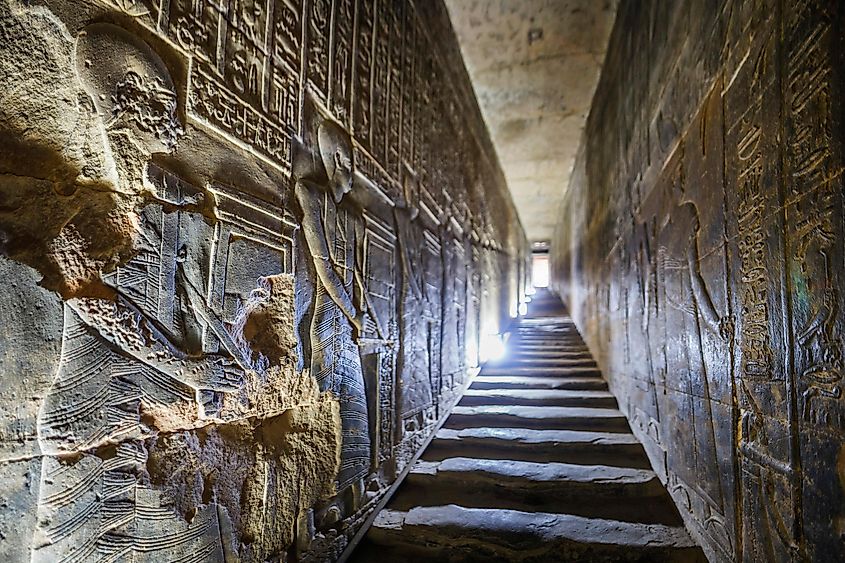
700 249
247 251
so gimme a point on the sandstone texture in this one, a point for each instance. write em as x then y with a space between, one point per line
248 250
700 250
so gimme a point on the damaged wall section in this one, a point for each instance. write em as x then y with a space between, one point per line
249 250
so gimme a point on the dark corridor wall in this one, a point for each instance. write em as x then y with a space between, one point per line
700 248
248 248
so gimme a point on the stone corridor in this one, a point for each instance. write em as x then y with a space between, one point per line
534 464
259 260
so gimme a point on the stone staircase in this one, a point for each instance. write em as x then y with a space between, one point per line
536 463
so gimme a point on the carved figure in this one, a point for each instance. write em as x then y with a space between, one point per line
333 233
139 349
414 358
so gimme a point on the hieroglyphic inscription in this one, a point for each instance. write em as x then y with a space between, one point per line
318 36
815 200
363 73
756 348
214 105
394 82
733 375
248 298
340 87
380 86
815 222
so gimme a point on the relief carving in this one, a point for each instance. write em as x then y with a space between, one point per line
332 231
414 368
733 263
247 299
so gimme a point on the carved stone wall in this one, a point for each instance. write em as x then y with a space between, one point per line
700 248
248 249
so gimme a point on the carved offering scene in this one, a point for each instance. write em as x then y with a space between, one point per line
352 281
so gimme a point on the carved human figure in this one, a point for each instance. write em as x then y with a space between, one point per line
414 361
695 321
122 355
333 231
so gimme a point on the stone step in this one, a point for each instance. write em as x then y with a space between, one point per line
552 371
588 490
584 361
547 335
524 444
550 353
535 382
551 418
546 332
547 320
530 358
538 397
454 533
546 345
539 328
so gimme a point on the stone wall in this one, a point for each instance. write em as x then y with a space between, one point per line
248 248
700 249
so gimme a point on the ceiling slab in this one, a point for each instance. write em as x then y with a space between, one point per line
534 65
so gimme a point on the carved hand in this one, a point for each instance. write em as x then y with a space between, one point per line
726 328
214 373
362 322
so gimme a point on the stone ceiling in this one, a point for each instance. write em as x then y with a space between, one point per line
534 65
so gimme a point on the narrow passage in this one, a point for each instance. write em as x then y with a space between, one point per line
536 463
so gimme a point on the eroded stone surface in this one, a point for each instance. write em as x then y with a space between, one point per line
237 297
700 249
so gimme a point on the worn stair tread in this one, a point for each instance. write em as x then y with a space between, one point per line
541 370
525 535
595 490
508 471
543 416
537 365
550 353
538 437
536 382
547 348
550 397
583 447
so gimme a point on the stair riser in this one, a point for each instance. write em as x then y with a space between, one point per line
541 372
551 363
573 385
549 347
616 455
595 402
458 421
643 502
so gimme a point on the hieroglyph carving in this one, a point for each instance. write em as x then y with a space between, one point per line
254 228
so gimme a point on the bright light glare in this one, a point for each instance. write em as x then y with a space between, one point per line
523 308
492 348
541 270
530 291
